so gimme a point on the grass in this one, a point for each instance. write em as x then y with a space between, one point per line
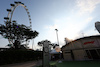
50 66
76 64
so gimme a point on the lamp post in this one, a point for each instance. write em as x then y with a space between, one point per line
57 36
58 41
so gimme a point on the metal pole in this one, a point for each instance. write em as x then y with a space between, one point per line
58 40
32 43
57 36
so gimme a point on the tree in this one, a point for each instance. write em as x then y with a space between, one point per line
52 45
17 33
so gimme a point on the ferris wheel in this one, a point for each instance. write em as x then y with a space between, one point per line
10 14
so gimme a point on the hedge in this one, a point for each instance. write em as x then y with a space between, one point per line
16 56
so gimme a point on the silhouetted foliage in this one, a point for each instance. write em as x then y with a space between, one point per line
14 56
41 43
53 45
18 33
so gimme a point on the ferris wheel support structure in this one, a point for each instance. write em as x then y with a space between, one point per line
10 14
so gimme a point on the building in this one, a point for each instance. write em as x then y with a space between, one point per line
86 48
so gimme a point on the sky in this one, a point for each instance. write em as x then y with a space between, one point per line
73 19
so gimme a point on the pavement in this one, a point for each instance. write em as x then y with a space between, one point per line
24 64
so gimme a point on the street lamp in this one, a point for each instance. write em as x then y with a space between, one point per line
57 36
58 44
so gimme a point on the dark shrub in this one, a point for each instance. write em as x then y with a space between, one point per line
15 56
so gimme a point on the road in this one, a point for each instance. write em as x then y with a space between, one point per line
24 64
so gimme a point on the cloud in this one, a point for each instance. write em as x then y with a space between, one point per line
51 26
87 6
67 28
72 25
85 22
71 28
56 21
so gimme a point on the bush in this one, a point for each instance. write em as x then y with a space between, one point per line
16 56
